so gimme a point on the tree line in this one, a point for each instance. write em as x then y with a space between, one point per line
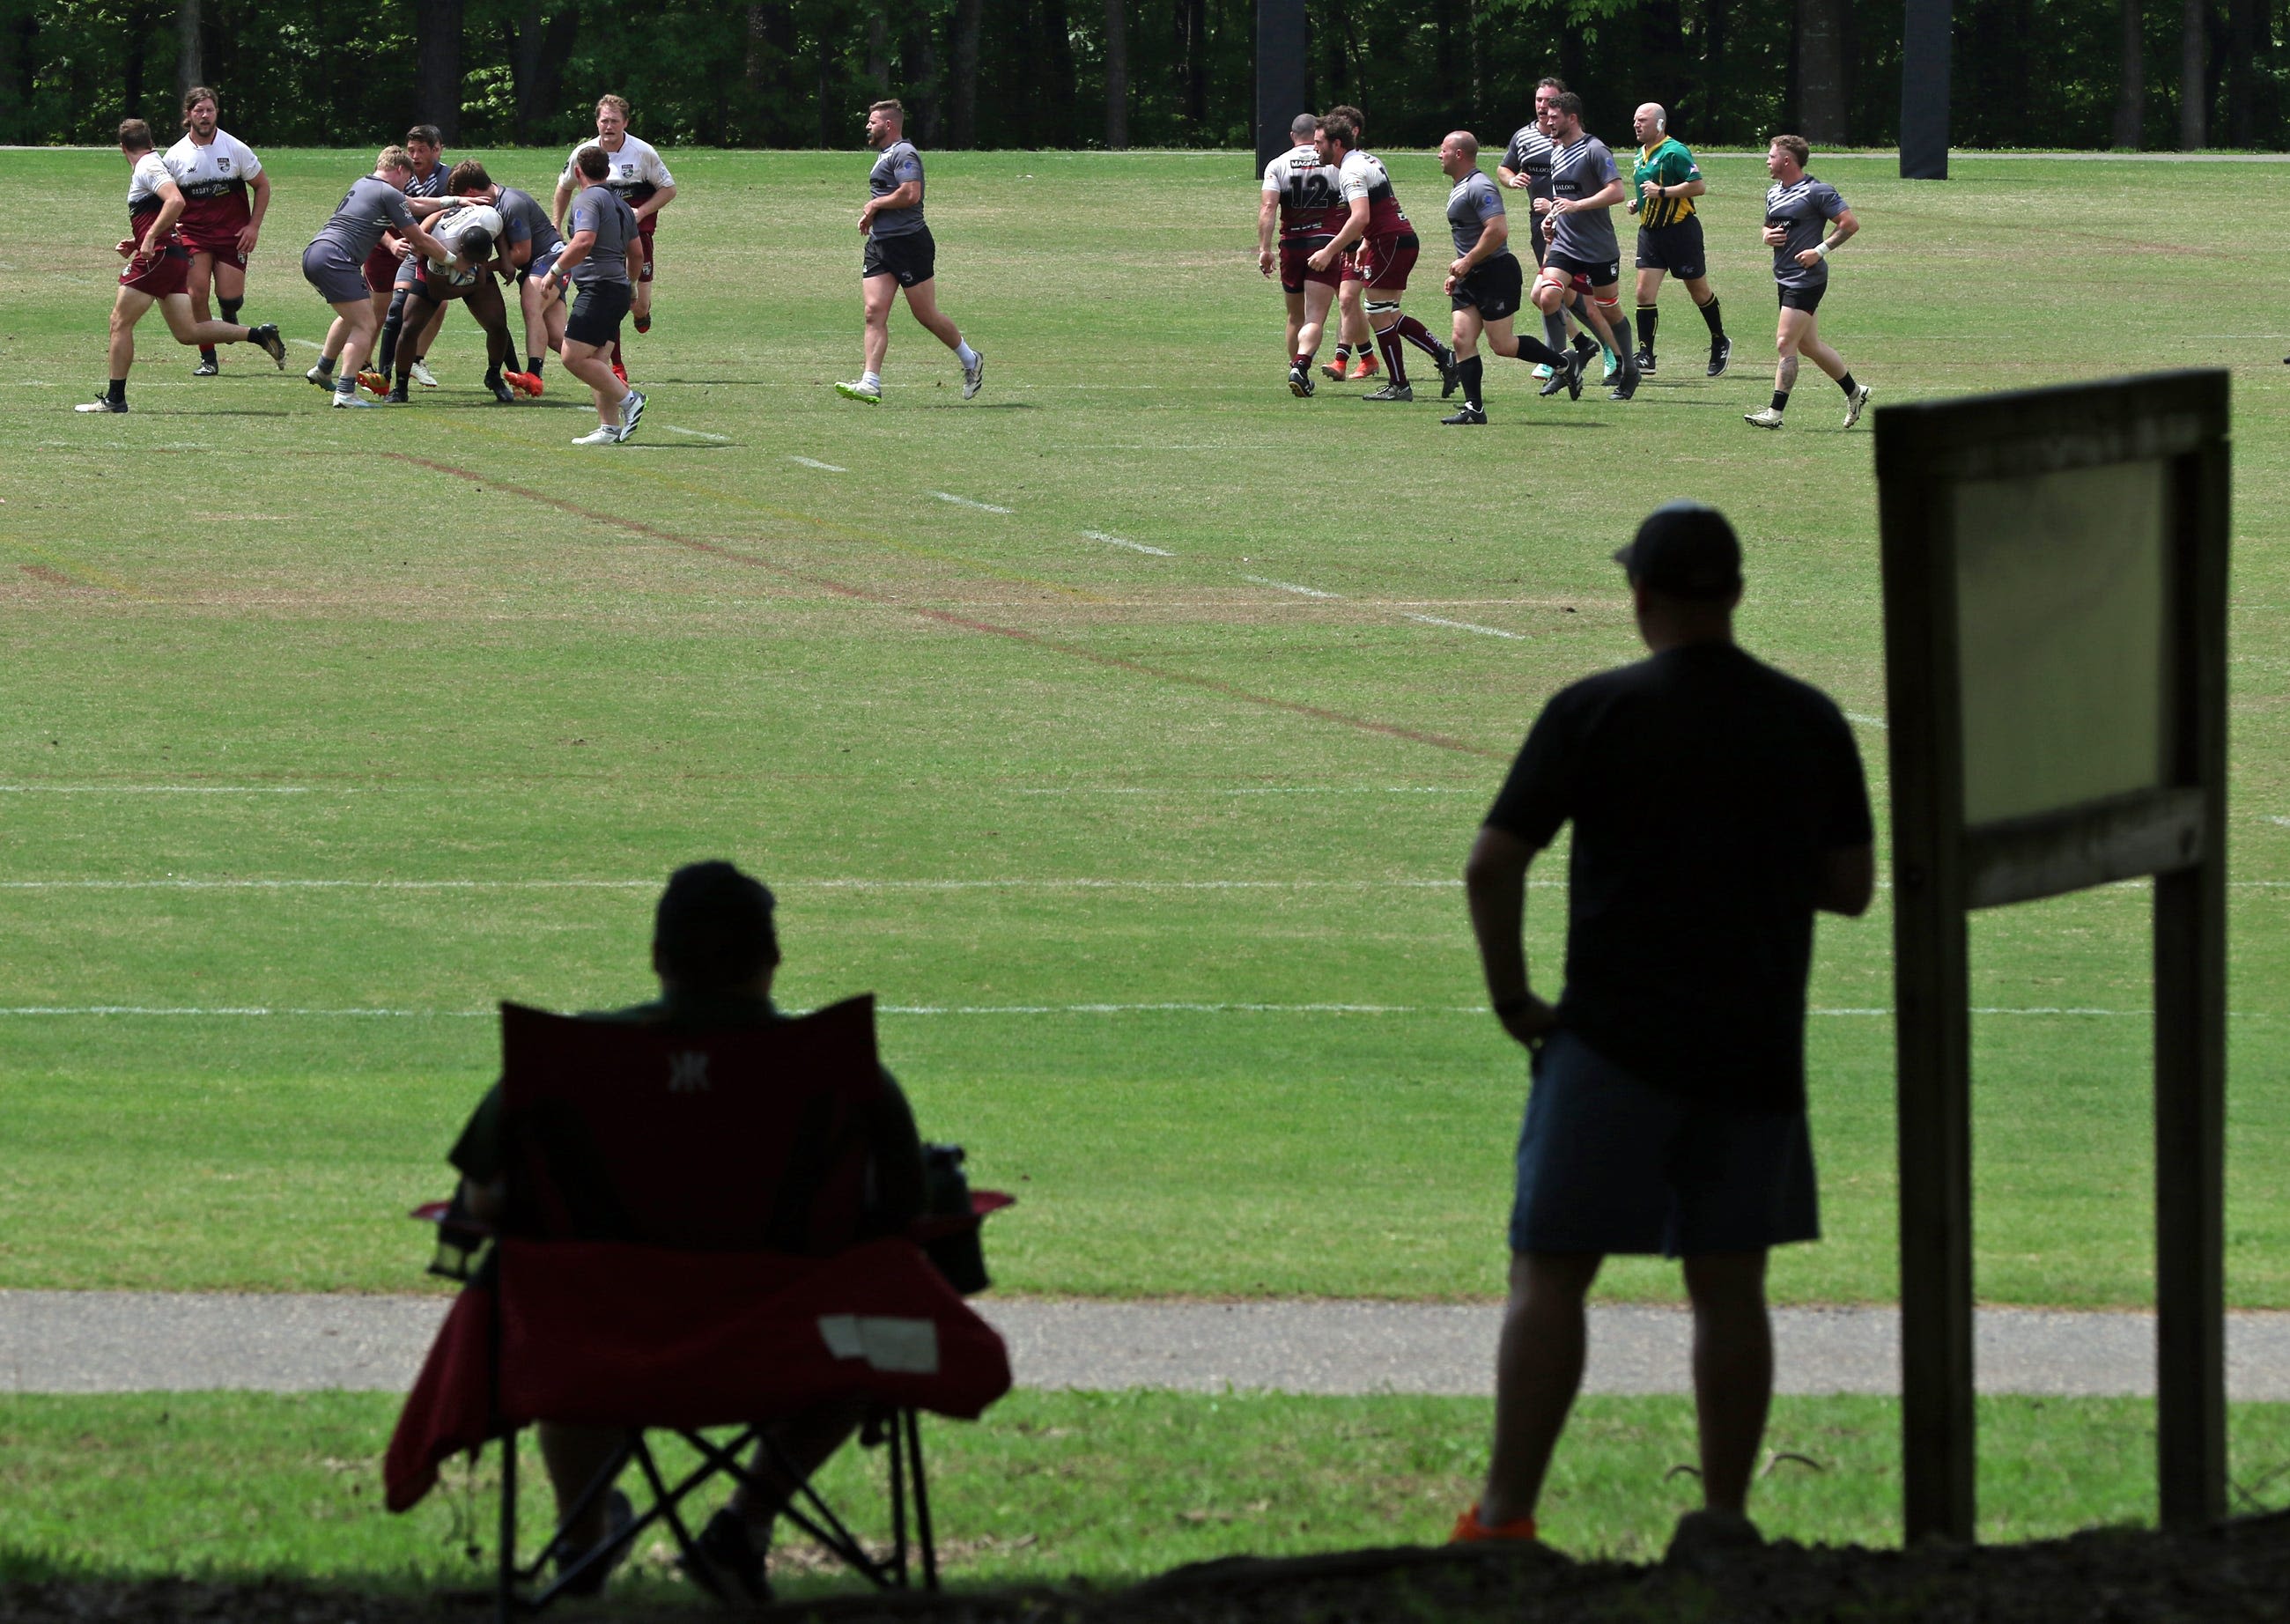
1141 73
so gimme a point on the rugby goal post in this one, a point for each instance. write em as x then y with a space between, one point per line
2054 579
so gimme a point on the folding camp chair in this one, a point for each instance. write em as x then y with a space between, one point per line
684 1250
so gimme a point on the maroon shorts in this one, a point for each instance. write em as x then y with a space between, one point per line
170 273
1384 261
210 226
381 270
1294 273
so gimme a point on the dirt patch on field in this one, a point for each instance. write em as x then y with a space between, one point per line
2237 1574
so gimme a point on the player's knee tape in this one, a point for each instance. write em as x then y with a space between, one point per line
231 307
1607 308
1383 307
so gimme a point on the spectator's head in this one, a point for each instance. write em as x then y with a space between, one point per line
592 162
713 931
1685 566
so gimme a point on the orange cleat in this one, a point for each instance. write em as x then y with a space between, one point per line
1366 366
643 322
619 371
528 384
374 383
1470 1531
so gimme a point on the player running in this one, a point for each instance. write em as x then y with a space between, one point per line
225 196
334 263
1585 184
1382 248
1353 336
1483 282
1797 206
1669 234
638 178
900 254
595 259
1302 201
1526 167
158 271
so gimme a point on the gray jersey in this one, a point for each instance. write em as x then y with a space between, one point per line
369 208
1529 155
899 164
1584 170
1805 207
526 221
1470 206
608 215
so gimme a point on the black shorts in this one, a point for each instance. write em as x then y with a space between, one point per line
1807 300
1496 288
1675 248
598 312
1602 274
911 256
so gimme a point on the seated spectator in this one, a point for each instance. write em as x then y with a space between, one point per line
716 951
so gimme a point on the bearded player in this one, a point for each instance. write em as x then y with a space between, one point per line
158 271
1302 201
1382 249
225 196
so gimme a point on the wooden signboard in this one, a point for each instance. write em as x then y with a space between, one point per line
2055 572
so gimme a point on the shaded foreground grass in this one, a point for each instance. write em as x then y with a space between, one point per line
1101 1487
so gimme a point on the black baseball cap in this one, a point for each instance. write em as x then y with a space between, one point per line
1684 549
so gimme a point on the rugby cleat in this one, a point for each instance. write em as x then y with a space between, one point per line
1614 366
1366 366
208 367
342 400
1334 372
101 402
600 435
1854 402
1466 414
1470 1531
1721 351
396 395
860 392
266 338
322 376
1765 416
632 405
422 375
643 322
374 382
1300 383
1451 373
528 384
1575 367
1392 391
1628 387
1554 380
502 392
1644 360
1542 372
973 376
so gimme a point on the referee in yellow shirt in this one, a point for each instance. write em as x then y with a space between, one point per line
1669 234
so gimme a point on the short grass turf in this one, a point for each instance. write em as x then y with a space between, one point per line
1052 1485
1123 729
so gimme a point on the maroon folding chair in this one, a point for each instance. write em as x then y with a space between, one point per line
685 1249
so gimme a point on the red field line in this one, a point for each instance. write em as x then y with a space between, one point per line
1366 724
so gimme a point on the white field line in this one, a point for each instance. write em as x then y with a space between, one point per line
1483 631
153 790
964 501
1170 1007
1858 720
1050 882
824 467
696 434
2284 822
1176 790
1134 547
1282 586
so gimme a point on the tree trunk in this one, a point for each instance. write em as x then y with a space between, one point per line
2242 74
537 52
190 55
1713 126
823 88
1116 74
1196 14
965 130
2130 90
1446 74
2194 98
131 100
919 60
878 53
437 66
1056 90
1821 71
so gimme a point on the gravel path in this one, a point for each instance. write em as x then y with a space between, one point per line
123 1341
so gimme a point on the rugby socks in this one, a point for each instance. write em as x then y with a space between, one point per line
1416 333
117 393
1343 356
1846 384
963 352
1472 369
533 364
1780 400
1623 348
1302 362
1554 331
325 367
1545 354
1648 316
1714 321
871 380
1394 359
385 355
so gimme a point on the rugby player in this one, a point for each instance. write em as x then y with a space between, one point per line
1585 184
1300 202
397 271
531 247
641 180
225 196
1386 251
334 263
1483 282
900 254
1353 334
595 259
1526 167
474 233
1797 207
1669 234
158 271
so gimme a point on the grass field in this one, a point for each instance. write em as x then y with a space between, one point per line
317 736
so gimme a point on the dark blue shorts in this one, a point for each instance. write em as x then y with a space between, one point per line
1608 1163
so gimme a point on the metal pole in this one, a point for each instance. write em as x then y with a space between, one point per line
1927 40
1280 75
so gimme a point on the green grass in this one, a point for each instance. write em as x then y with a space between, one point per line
1052 1485
580 666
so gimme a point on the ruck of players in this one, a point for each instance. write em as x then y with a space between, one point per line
1331 227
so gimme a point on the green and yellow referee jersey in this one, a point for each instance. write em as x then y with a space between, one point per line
1666 164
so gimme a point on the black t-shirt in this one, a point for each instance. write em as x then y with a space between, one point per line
1705 788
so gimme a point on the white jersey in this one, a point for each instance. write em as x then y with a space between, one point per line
223 165
636 171
150 173
1364 175
448 228
1307 189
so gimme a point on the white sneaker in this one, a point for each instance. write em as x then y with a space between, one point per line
422 375
601 435
860 392
323 377
359 401
632 405
973 376
1854 401
1765 416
